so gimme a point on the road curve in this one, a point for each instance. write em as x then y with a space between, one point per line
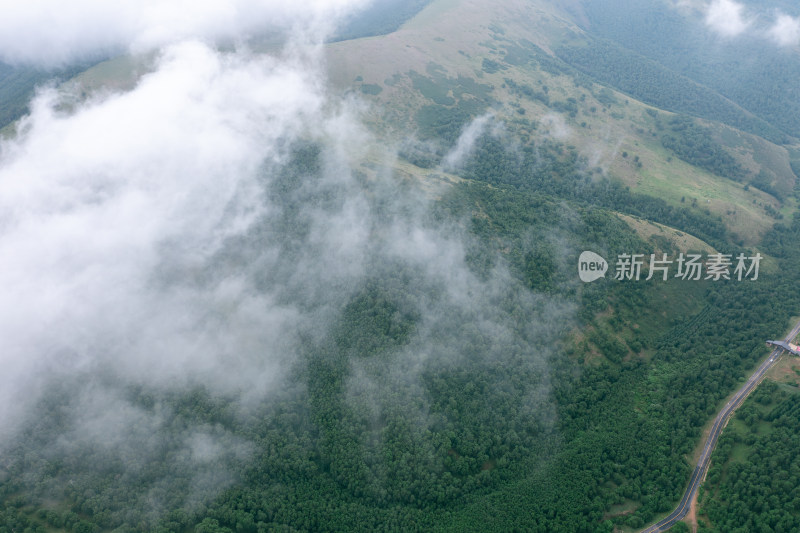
722 418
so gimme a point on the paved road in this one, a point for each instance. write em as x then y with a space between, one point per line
719 423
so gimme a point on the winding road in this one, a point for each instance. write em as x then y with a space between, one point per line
719 423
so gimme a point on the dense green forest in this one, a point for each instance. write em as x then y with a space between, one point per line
667 57
757 490
558 170
652 83
752 483
695 145
379 18
520 427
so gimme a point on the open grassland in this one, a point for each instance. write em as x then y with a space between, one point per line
654 232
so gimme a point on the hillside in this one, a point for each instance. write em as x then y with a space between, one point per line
443 77
407 73
333 287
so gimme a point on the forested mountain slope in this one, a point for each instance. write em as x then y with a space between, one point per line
403 339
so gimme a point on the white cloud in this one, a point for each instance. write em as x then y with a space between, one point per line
111 214
147 236
785 31
725 17
52 32
466 141
556 126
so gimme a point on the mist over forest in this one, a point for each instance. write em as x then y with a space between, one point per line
314 267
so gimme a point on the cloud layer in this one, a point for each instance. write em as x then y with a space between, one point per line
726 18
729 18
786 30
206 229
111 213
51 33
144 245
